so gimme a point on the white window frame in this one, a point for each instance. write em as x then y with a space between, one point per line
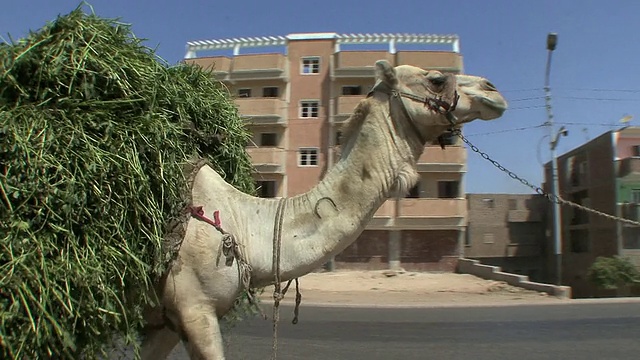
309 58
310 102
307 154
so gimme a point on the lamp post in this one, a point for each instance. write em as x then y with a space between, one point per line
552 40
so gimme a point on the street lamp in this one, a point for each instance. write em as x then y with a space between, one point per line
552 40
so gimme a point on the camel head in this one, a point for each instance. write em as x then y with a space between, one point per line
479 99
428 95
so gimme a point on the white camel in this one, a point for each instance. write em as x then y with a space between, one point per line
384 137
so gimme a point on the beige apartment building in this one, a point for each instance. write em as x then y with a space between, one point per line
508 230
297 90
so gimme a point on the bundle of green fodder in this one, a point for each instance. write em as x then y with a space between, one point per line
94 132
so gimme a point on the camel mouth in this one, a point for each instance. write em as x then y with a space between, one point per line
498 106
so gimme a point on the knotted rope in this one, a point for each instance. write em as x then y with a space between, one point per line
278 293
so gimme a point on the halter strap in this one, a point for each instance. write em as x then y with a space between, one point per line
434 103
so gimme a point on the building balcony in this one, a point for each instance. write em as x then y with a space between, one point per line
449 159
350 64
267 160
420 214
263 111
630 211
628 166
258 67
220 65
431 60
244 67
524 216
344 106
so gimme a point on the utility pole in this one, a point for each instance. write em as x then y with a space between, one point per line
552 40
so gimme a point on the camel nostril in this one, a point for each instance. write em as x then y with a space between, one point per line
490 86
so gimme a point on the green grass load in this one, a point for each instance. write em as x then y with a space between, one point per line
95 131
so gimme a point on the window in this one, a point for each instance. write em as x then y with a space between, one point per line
338 138
513 204
489 203
579 240
635 196
268 139
266 189
631 238
310 65
309 109
352 90
489 238
448 189
308 157
244 93
270 91
636 150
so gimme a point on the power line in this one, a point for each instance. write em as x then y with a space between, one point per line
593 98
520 90
602 90
527 107
508 130
585 124
527 99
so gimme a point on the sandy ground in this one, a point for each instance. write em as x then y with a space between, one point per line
406 289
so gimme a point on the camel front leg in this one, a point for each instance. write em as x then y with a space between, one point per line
201 332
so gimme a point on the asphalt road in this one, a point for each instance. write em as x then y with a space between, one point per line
566 331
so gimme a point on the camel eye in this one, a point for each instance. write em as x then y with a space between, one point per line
438 81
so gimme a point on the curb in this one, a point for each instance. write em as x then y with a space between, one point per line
474 267
559 302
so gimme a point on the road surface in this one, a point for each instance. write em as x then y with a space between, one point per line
577 330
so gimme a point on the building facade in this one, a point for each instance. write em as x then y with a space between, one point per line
296 98
508 230
602 174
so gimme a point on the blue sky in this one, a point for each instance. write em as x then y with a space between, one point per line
594 78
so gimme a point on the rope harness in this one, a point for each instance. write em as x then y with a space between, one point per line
231 249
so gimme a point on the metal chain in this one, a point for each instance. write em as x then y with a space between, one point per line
537 189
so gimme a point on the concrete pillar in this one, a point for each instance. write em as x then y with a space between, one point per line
462 237
331 264
395 243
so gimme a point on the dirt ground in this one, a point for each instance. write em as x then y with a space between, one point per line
406 289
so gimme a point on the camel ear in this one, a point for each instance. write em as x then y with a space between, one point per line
386 73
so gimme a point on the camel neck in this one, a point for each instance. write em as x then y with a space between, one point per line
328 218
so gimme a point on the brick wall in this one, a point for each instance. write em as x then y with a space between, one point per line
421 250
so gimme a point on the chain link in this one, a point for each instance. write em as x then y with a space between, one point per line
551 197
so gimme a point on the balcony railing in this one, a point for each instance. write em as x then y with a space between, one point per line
220 65
244 67
344 106
420 213
262 110
437 60
258 66
358 63
449 159
267 159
